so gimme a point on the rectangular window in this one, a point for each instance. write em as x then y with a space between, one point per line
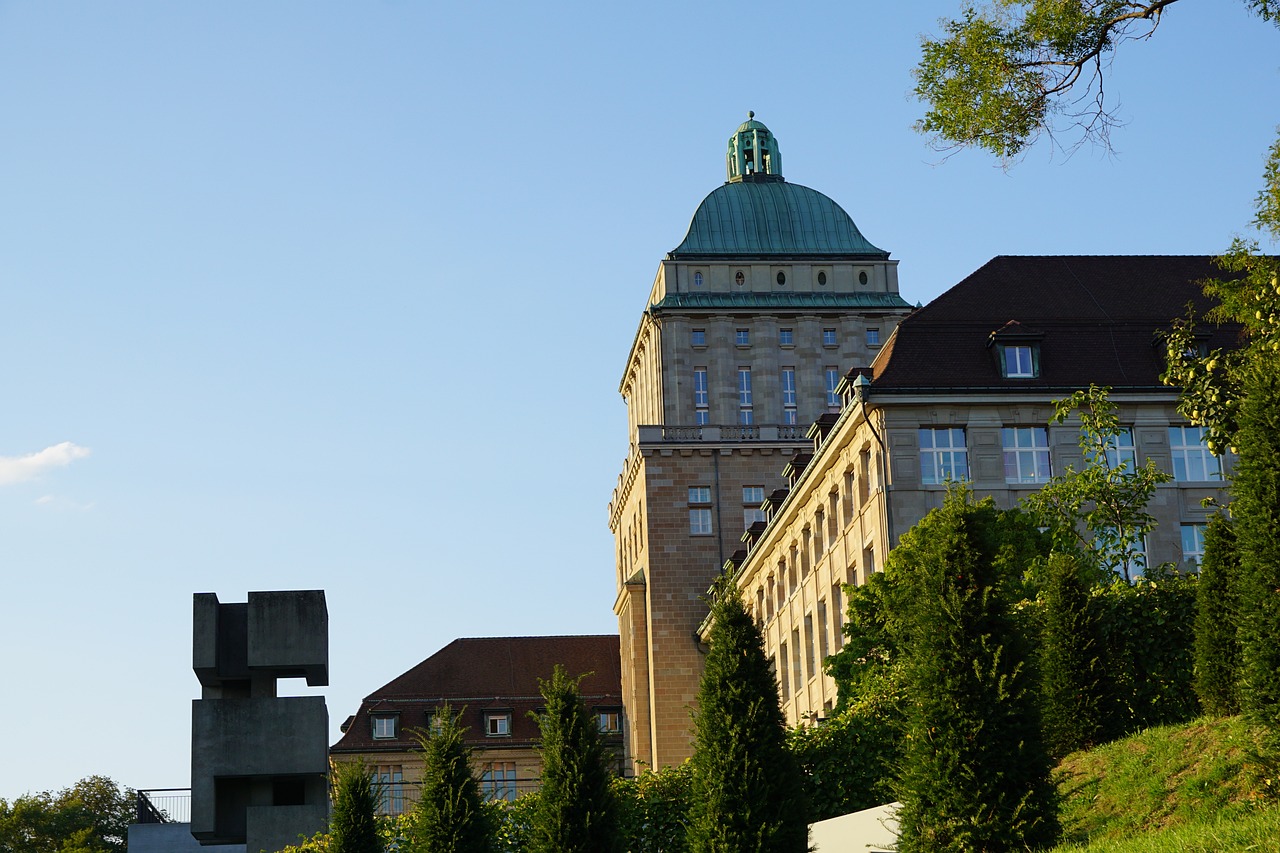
873 337
698 337
810 646
1018 362
385 726
1120 450
742 337
701 412
797 673
390 781
823 647
943 455
1137 557
699 494
783 681
610 721
752 497
699 521
498 781
1193 543
786 338
744 396
1026 454
1192 461
828 337
497 724
789 395
832 378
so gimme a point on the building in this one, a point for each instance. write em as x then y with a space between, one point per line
750 325
493 683
963 389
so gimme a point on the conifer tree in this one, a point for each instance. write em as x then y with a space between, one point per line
1072 677
748 793
449 816
353 825
1217 644
576 810
974 771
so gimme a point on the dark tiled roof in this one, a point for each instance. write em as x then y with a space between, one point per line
1096 319
487 674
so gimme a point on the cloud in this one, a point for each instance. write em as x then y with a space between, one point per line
56 502
18 469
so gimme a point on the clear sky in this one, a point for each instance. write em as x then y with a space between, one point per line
337 295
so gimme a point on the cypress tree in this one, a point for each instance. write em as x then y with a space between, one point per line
1072 677
449 816
974 773
748 793
576 811
1217 644
353 825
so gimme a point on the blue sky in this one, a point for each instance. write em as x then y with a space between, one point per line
337 295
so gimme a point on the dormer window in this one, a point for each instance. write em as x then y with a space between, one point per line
497 724
1017 350
384 726
1018 361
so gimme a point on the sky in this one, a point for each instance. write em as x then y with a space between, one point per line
338 295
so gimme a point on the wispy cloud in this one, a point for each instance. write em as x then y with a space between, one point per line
18 469
57 502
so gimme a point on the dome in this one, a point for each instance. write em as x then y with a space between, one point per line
772 218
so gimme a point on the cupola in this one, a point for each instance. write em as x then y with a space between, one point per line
753 153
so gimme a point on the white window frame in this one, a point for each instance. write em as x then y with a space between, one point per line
745 415
698 337
497 724
944 455
1193 544
1029 454
752 497
829 338
789 396
610 721
1190 454
700 521
831 378
786 338
742 337
701 397
873 337
1017 361
1120 447
385 726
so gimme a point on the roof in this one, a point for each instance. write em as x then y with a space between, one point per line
1095 319
482 674
750 218
799 301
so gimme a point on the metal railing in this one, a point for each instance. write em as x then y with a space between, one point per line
163 805
722 432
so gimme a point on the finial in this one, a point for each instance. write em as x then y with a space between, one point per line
751 114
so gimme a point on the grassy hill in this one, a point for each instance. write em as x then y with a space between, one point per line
1174 788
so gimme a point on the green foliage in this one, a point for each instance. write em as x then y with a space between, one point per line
514 821
394 832
974 774
1073 680
1217 646
654 809
449 816
92 816
1101 509
353 824
748 794
848 760
576 811
865 661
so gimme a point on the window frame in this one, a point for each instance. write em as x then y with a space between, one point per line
698 337
392 722
943 459
1180 455
829 338
500 720
1038 452
1031 369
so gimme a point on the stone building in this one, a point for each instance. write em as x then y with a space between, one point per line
963 390
752 321
493 683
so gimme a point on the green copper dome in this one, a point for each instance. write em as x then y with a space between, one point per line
758 213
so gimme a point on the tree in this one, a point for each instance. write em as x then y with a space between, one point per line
1073 679
748 794
92 816
1217 646
450 816
1101 509
974 774
353 823
655 810
576 811
1008 71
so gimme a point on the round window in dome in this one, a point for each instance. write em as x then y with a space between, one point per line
697 279
739 279
822 278
782 278
862 277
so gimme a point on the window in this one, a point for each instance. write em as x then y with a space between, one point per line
384 726
862 276
1192 460
1026 454
1120 449
828 337
822 278
943 455
744 396
783 680
1018 362
1193 543
1136 549
786 338
873 337
832 376
390 781
752 497
497 723
739 279
797 673
789 395
498 781
698 337
810 646
699 494
782 278
701 414
823 646
610 721
697 279
699 510
742 337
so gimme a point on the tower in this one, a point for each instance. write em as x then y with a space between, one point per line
772 296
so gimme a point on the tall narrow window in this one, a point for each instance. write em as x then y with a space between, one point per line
789 395
1026 454
810 645
1193 543
943 456
701 412
744 396
498 781
784 680
390 780
797 668
752 497
832 378
699 510
697 279
1192 460
823 646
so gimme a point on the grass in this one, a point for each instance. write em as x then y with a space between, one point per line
1174 788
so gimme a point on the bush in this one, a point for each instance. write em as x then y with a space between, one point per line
1217 646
